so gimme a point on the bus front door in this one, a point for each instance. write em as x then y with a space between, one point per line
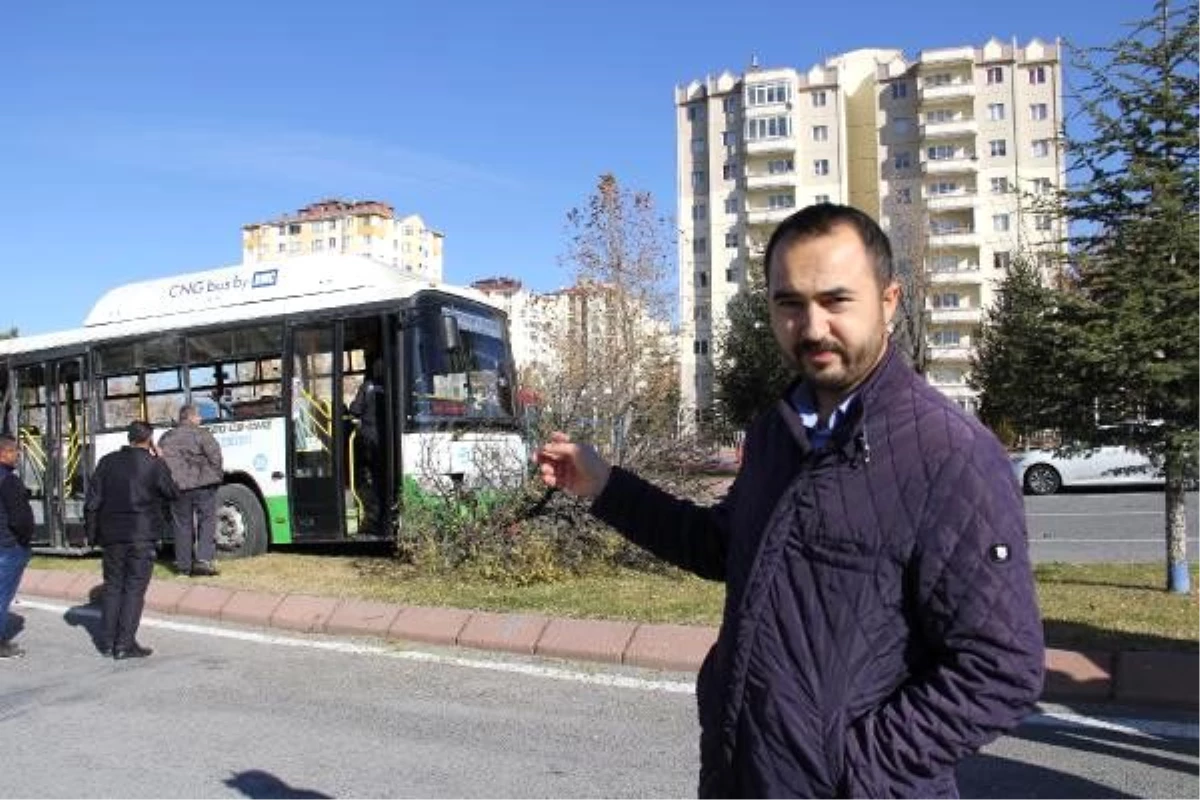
51 428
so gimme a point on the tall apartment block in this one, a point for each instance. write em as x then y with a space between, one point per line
365 227
948 151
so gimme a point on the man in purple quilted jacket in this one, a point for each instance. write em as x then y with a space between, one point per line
880 621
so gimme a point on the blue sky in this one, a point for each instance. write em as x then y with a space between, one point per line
136 137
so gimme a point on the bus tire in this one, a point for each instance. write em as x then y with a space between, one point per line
241 523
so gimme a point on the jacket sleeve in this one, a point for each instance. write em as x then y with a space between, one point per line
92 503
16 506
691 537
212 451
975 610
164 483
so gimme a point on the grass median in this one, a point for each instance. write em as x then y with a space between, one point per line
1085 607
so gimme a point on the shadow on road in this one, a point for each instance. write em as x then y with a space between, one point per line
258 783
988 775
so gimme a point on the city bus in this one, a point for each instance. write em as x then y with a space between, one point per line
272 355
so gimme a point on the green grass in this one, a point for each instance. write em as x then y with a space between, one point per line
1085 607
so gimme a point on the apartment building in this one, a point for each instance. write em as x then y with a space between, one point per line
948 151
533 321
354 227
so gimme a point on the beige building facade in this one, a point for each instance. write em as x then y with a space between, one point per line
948 151
351 227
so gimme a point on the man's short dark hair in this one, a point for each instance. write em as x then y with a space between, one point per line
186 411
820 220
139 432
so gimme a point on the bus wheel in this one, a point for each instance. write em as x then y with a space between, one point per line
241 523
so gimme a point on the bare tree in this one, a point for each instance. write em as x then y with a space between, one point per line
908 229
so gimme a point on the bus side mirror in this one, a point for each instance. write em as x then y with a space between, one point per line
451 339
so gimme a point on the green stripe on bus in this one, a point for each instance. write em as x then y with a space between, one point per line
277 518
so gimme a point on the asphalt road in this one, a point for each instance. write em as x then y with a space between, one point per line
1082 527
220 711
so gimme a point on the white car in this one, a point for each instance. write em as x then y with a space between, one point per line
1043 471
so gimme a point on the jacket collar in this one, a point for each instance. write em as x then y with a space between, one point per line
850 438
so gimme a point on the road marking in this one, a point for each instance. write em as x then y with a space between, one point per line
1132 726
351 648
1093 514
1047 538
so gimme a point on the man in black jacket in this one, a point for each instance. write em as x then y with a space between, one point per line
880 622
124 515
16 533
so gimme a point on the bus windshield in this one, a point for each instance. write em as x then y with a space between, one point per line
459 367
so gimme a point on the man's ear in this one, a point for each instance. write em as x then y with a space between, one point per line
891 301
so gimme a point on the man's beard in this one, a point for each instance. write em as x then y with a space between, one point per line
845 373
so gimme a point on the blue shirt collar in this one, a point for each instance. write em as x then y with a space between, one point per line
806 408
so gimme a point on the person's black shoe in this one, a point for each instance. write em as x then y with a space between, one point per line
137 651
205 569
10 650
105 650
177 570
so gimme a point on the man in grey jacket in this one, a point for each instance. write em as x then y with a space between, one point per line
194 458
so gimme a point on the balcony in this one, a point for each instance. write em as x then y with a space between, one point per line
947 91
972 316
779 145
966 274
949 166
957 201
959 354
952 128
763 180
962 236
768 216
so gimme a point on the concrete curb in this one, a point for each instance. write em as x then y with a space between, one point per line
1148 678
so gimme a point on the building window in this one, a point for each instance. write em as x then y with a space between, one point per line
702 279
293 247
729 104
943 187
1000 223
999 185
903 160
731 275
941 152
699 212
995 75
731 239
763 94
731 204
995 111
332 242
899 90
998 147
1038 111
700 347
1001 259
945 338
904 195
282 247
697 146
946 300
821 198
698 179
317 245
1041 148
940 115
729 170
728 138
818 99
780 166
1041 222
768 128
693 113
1037 75
784 200
820 133
1042 186
700 245
293 230
821 166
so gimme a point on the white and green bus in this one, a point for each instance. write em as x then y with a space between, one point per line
272 355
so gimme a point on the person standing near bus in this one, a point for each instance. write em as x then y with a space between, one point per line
369 409
194 458
16 535
124 516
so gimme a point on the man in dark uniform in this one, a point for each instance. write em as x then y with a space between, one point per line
124 507
369 409
16 533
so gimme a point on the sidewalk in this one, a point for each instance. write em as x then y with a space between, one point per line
1134 678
